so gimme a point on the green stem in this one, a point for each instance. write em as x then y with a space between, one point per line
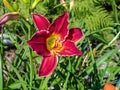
44 82
1 58
110 43
31 62
114 7
91 51
115 38
65 84
31 69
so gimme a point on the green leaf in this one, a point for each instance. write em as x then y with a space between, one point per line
15 85
101 60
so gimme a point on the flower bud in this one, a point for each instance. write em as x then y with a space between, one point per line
15 6
8 6
35 3
71 4
63 3
6 17
26 1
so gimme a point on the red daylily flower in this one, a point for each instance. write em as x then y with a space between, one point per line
53 40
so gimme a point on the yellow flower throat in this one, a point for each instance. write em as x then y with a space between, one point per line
53 43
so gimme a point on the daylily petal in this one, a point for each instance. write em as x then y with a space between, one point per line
48 65
60 26
75 34
69 49
108 86
38 43
41 22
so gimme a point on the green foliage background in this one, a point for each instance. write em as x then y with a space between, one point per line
100 62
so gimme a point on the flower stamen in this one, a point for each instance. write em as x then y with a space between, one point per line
53 43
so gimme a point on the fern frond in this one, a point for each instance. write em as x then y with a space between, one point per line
94 15
101 2
82 8
99 19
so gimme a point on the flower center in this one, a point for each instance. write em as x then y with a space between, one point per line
53 43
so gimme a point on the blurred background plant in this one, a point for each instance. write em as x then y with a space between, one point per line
100 62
